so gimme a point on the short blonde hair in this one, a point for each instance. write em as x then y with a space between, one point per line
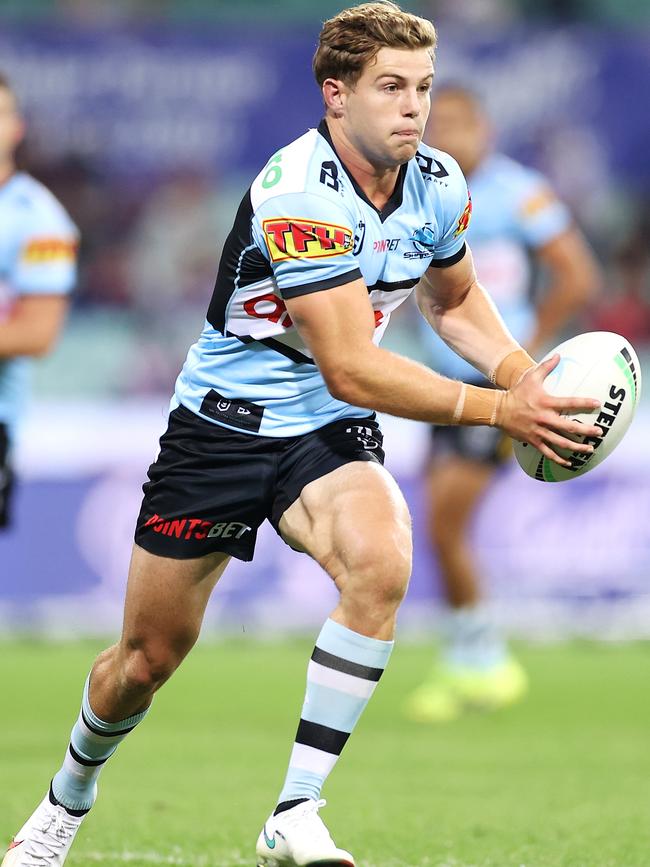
351 39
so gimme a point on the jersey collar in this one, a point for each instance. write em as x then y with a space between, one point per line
396 196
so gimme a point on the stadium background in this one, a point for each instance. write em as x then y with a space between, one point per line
148 120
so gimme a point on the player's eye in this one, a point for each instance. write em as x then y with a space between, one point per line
391 88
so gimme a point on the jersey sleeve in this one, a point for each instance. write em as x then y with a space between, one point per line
308 240
45 262
540 215
455 206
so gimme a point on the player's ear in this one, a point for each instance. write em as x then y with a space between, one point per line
334 96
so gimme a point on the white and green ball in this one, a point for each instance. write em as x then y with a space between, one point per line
602 365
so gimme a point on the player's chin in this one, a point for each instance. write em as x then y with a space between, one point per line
406 147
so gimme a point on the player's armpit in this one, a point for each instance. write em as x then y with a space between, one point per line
33 325
337 326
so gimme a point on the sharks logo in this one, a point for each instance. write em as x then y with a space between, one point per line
424 241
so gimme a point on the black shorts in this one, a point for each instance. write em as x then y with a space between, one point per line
210 487
6 477
489 445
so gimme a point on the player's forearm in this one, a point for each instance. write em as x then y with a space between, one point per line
18 339
474 328
559 307
574 279
381 380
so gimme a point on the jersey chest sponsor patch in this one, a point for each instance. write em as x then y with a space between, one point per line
296 238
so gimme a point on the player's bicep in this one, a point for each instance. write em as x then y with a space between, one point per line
446 288
335 325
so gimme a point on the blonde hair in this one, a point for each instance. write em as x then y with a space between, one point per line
351 39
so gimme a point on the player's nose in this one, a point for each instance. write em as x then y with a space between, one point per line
411 104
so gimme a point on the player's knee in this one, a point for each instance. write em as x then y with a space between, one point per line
147 665
384 567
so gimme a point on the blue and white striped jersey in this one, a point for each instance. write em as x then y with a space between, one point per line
38 242
515 213
306 226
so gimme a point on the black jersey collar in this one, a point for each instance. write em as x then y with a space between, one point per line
397 195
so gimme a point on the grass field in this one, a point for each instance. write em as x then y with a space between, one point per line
561 781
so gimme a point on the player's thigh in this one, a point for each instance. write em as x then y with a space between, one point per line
465 460
355 523
166 600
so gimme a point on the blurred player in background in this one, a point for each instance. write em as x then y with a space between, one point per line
272 419
38 244
518 228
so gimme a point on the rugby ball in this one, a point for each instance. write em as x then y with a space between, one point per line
601 365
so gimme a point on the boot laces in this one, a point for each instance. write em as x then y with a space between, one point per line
49 838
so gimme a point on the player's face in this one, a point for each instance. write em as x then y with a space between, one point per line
11 125
458 126
386 111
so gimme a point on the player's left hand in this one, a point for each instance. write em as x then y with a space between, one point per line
530 414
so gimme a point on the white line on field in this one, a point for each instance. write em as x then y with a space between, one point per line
178 860
235 859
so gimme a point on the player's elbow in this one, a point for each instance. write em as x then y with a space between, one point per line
339 384
344 382
41 345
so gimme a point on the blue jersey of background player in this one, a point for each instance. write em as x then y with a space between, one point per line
37 269
515 217
305 226
519 227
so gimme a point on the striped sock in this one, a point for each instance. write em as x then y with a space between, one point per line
92 742
343 672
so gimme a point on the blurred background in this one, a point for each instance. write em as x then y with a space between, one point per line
148 120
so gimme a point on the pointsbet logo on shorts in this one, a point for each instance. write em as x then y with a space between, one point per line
197 528
295 238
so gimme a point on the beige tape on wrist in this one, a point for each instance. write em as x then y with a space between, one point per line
509 367
460 404
478 405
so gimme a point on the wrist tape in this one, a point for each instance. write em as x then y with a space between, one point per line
477 405
510 367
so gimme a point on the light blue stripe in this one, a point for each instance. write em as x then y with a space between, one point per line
329 707
341 641
107 727
301 784
93 748
77 790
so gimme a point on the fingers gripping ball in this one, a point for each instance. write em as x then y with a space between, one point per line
601 365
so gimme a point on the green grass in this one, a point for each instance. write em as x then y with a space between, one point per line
562 780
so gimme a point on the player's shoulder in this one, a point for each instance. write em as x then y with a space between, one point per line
438 168
444 182
37 204
295 170
512 175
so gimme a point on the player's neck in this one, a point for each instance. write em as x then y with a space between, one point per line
377 182
470 166
7 169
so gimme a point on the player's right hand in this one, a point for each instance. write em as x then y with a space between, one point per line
530 414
